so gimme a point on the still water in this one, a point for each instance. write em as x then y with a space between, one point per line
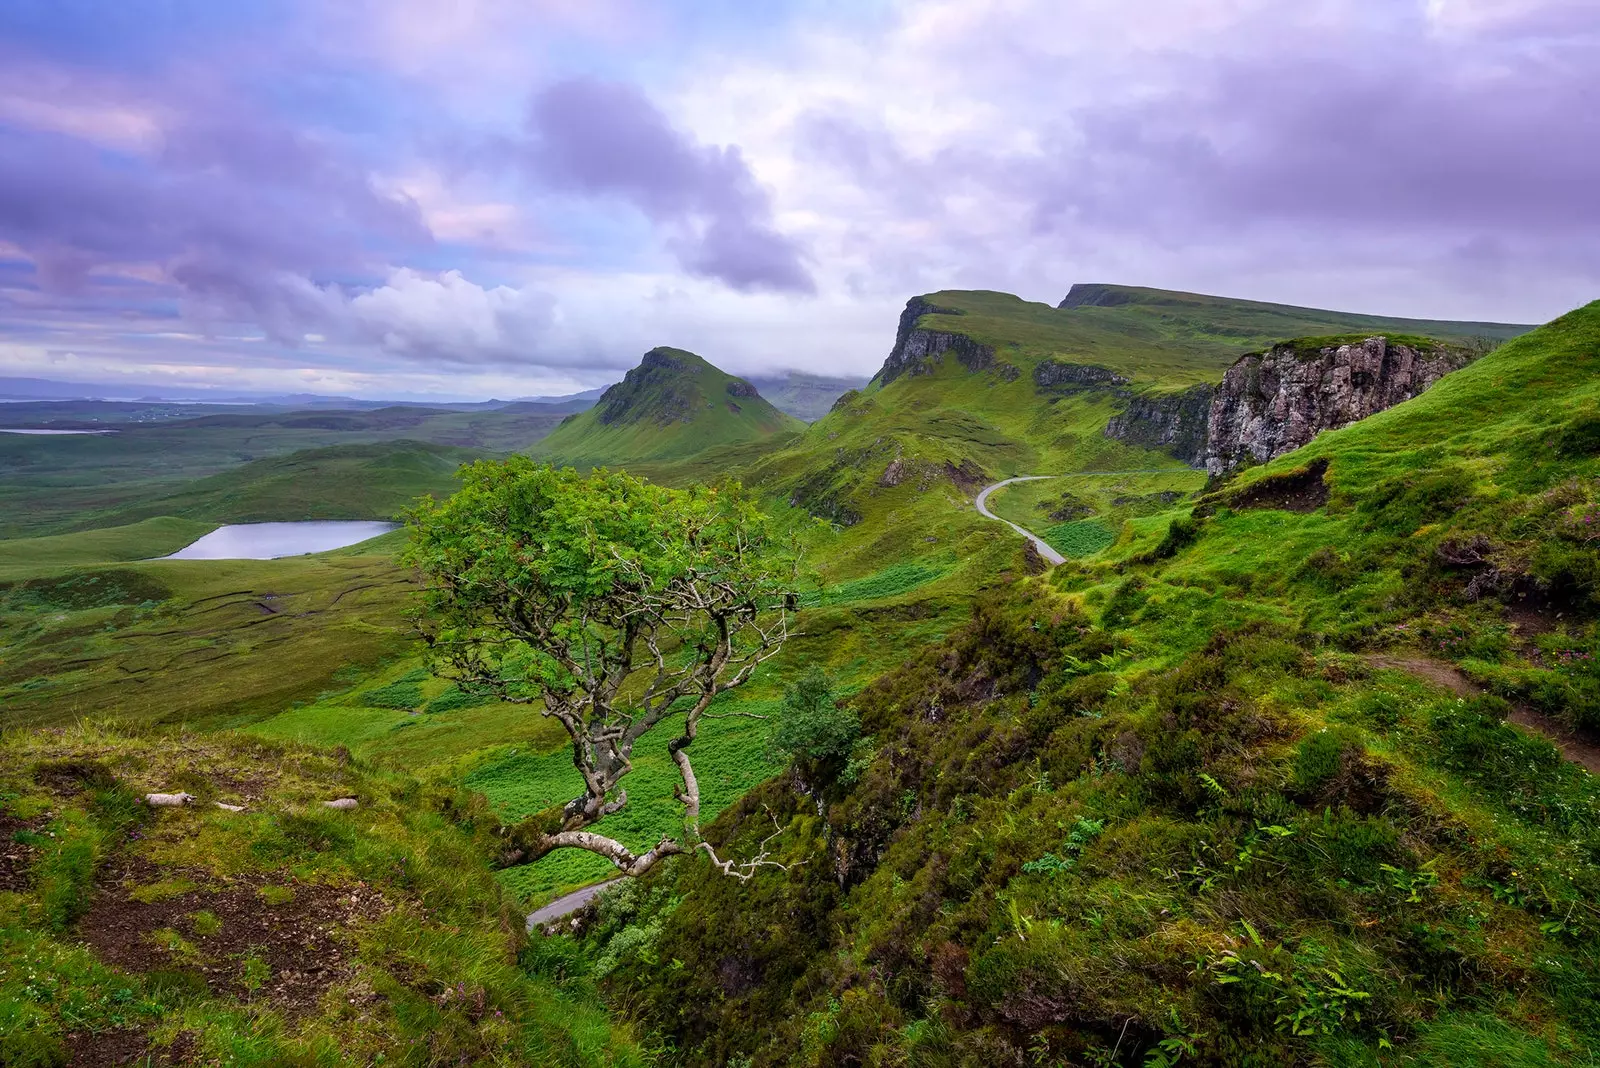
8 430
268 541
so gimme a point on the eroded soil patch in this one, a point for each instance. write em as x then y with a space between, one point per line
1294 491
1579 750
232 937
101 1049
17 852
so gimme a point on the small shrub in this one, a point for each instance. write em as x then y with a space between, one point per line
1580 437
1401 504
1323 755
1083 832
812 729
454 699
1181 533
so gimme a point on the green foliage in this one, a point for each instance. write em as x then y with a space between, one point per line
1083 832
1402 503
400 694
1181 533
524 542
892 581
1080 538
811 727
1323 755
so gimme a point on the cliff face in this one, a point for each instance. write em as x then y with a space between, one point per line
917 351
1272 402
1176 422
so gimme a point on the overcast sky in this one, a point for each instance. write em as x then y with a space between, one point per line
513 197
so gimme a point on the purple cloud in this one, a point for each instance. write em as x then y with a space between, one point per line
227 208
598 138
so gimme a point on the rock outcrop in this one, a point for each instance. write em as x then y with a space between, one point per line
1054 376
1174 422
1272 402
917 351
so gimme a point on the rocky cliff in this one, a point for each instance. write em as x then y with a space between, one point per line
1175 422
1272 402
917 351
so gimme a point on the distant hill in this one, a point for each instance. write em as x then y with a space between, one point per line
367 481
983 385
673 405
803 395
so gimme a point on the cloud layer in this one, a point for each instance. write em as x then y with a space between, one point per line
515 194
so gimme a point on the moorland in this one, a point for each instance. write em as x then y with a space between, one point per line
1290 763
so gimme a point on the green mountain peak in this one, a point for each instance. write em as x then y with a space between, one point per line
672 405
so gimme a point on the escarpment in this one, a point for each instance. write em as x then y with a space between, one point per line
1174 422
917 351
1273 402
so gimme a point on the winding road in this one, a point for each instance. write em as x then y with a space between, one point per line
1038 543
567 904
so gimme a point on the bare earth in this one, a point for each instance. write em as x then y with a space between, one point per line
1574 748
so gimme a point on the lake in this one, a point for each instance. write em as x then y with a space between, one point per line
8 430
269 541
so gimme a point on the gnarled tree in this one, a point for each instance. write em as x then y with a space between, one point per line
615 603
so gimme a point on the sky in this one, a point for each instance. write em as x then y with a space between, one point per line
520 197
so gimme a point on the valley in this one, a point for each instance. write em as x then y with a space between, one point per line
1231 765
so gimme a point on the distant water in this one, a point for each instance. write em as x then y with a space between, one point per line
7 430
269 541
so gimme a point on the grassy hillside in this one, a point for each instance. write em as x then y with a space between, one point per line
280 933
1020 414
672 406
1264 784
50 485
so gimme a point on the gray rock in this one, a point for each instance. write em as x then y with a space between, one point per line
1173 422
1056 376
1273 402
917 351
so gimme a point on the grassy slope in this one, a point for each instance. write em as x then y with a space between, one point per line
212 914
672 414
1163 337
52 485
1295 857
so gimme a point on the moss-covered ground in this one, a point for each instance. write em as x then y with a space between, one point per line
283 934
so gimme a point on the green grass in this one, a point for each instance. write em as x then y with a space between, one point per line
663 413
429 972
1083 537
30 557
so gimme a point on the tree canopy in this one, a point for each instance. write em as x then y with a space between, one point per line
613 602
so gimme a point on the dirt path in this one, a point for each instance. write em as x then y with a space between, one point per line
567 904
1578 750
